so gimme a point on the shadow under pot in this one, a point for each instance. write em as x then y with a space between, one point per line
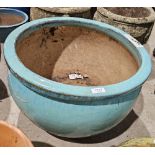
9 20
75 77
138 22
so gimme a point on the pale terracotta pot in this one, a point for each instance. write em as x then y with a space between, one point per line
11 136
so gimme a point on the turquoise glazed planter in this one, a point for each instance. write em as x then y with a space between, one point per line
67 110
6 29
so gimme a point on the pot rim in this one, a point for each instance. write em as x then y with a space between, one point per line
38 82
14 11
64 10
18 132
124 19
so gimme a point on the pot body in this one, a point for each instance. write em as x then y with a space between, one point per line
139 28
67 110
6 29
67 119
4 32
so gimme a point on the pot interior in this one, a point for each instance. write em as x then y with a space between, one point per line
76 56
133 12
9 18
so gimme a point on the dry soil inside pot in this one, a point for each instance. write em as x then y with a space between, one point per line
10 19
77 56
130 12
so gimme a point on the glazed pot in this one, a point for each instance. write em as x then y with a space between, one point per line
138 27
24 9
11 136
68 110
83 12
6 29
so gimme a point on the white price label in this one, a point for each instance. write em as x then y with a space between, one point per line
133 40
98 90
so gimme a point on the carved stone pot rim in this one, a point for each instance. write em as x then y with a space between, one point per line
65 10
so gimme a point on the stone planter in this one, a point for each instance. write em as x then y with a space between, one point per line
37 13
68 110
11 136
139 27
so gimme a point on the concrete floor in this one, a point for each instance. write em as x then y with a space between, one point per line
139 123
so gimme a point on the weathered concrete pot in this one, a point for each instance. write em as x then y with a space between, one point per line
68 110
11 136
6 29
83 12
139 28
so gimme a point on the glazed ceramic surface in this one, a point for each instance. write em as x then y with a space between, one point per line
24 9
67 110
6 29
